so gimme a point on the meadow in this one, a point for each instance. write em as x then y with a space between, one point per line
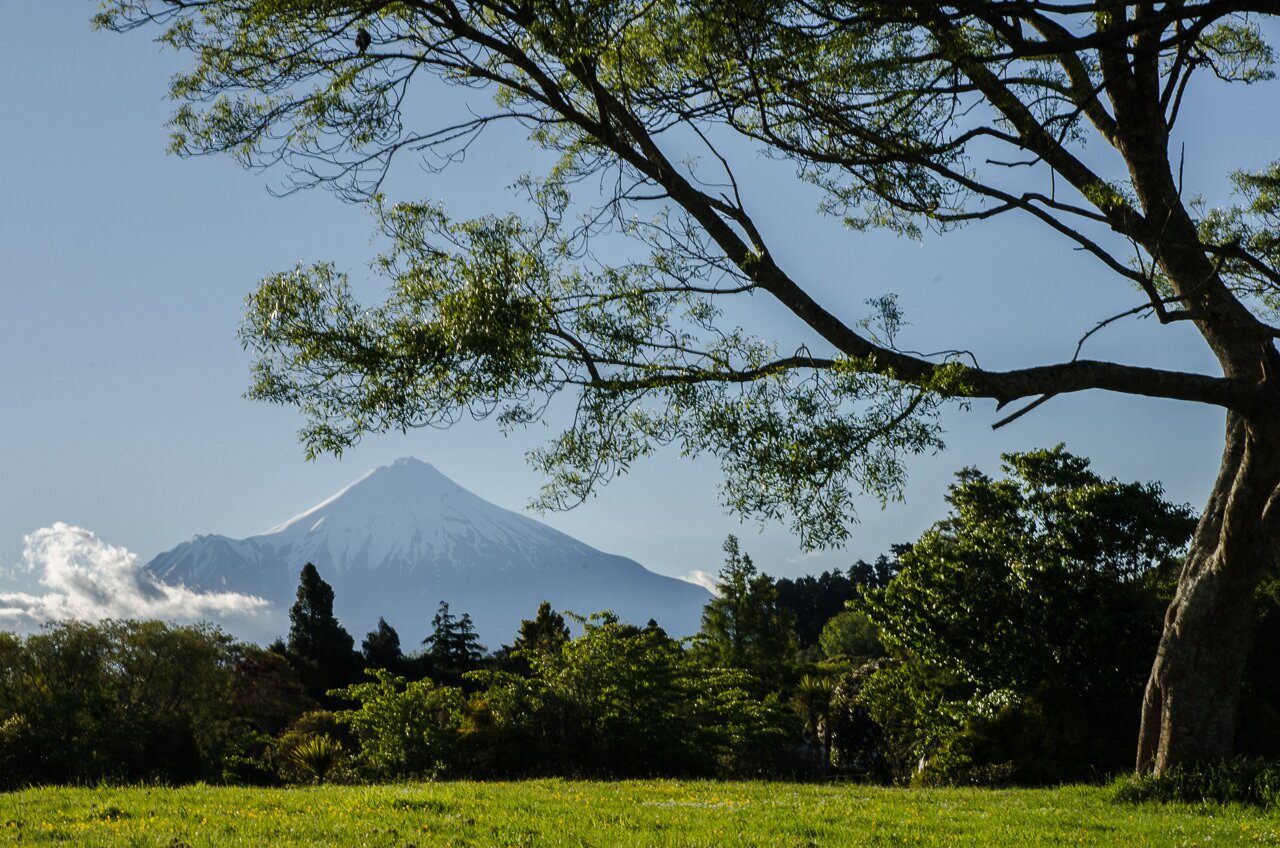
635 813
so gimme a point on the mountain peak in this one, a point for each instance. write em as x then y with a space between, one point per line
382 490
404 536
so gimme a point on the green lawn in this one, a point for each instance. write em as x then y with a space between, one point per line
641 813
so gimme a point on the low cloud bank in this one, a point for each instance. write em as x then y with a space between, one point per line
91 580
704 579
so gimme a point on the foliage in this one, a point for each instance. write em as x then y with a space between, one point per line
1242 781
812 600
381 648
545 633
318 756
745 626
621 700
812 698
916 709
120 700
851 633
1042 576
327 759
266 693
319 646
855 740
452 646
405 729
1043 739
1040 597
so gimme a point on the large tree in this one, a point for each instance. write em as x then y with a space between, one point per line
319 647
452 646
908 115
746 627
1037 596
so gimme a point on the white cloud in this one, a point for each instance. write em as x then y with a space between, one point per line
89 579
704 579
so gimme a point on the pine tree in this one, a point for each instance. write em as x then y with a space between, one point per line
319 647
745 627
546 632
453 647
381 648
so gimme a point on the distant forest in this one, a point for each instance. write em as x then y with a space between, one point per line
1008 645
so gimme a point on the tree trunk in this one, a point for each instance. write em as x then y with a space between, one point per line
1189 709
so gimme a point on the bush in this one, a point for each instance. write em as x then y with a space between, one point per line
1252 782
856 740
405 730
319 757
247 760
1045 739
314 750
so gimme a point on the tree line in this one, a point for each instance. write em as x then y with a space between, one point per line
1007 645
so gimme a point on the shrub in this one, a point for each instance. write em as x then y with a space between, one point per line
328 760
405 729
1242 781
1047 738
318 757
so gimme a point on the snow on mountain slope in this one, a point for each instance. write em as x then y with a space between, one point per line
403 537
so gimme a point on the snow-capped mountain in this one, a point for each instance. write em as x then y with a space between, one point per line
404 537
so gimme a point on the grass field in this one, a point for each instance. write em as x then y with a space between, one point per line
648 813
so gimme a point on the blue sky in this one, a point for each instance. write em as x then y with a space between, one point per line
125 271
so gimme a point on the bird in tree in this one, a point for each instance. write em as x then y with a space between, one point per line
363 40
917 117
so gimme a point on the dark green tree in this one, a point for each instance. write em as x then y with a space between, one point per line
914 116
1045 589
319 646
545 633
876 575
814 600
622 700
381 648
453 648
745 627
119 700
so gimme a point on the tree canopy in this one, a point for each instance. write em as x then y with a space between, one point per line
452 646
745 626
1040 576
320 647
1027 617
616 288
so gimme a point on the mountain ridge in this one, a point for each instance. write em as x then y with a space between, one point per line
402 537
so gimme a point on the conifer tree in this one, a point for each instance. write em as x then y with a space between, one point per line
319 646
745 627
381 648
453 646
546 632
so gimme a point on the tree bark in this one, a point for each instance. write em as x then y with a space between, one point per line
1189 709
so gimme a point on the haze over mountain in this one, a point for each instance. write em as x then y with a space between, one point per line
404 537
